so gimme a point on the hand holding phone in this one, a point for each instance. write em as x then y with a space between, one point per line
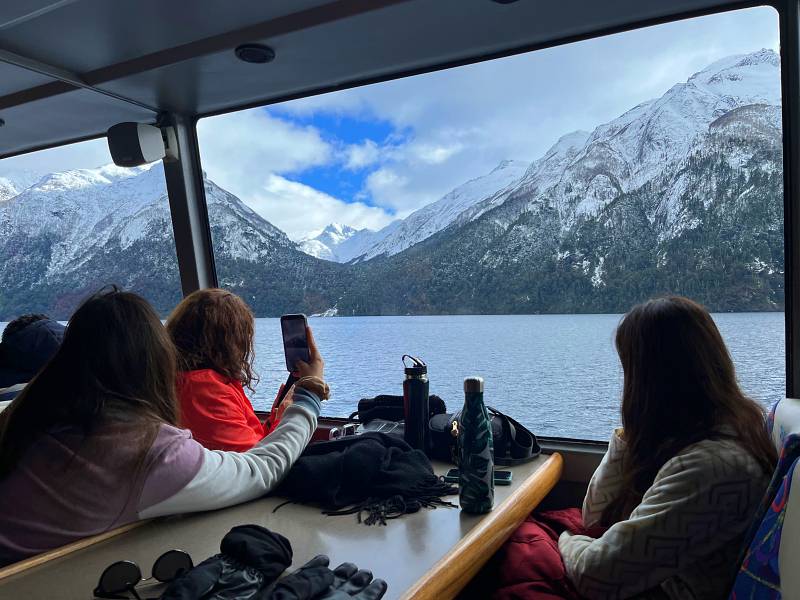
315 366
302 356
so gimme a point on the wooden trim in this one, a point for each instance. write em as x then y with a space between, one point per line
453 572
40 559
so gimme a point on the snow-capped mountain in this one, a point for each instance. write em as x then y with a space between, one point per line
334 242
342 243
435 217
15 183
681 194
75 231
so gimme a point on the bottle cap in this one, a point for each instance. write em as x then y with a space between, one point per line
473 384
418 366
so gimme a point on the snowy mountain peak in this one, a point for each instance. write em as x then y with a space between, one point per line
324 244
339 229
569 143
508 164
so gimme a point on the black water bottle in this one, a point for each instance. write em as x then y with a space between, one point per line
415 403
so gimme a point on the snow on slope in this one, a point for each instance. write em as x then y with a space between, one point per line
15 183
85 210
579 178
343 244
435 217
323 244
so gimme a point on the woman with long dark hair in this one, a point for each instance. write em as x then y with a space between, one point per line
682 479
92 442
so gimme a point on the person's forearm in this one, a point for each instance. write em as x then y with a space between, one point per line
228 478
606 483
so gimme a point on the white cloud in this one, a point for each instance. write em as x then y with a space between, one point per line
241 151
359 156
299 209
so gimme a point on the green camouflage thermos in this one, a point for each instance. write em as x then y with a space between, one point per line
476 461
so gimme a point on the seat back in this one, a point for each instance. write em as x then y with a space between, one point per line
767 569
784 419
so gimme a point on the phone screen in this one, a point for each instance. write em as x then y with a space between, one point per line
295 342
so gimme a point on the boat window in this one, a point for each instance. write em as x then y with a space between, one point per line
72 222
496 219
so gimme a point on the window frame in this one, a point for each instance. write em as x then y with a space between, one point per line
789 53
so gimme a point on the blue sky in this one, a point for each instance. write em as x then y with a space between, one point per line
369 155
342 130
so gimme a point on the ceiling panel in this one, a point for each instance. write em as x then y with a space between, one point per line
84 35
377 44
14 79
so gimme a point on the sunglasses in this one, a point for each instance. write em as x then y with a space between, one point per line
123 576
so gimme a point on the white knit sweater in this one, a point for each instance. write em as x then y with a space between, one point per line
685 535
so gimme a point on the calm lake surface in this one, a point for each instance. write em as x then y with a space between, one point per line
557 374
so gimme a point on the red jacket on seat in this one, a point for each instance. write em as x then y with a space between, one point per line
528 565
216 410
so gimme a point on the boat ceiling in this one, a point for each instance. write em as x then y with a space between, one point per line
88 64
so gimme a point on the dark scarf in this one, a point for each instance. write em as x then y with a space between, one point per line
375 473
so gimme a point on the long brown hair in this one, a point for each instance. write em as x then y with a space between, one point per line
214 329
116 363
679 388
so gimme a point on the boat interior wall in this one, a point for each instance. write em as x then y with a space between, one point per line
72 68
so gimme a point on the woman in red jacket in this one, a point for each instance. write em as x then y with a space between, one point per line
213 331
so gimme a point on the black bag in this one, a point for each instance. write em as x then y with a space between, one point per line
390 408
513 443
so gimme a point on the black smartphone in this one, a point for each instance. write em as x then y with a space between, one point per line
500 477
295 340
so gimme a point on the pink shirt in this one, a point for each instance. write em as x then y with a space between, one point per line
67 487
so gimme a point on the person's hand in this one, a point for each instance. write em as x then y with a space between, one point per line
315 366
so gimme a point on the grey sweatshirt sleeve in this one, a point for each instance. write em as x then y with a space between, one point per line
228 478
700 502
606 483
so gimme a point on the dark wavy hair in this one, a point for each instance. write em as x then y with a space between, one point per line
215 329
679 388
116 363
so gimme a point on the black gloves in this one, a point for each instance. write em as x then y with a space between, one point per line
315 581
309 581
252 557
351 583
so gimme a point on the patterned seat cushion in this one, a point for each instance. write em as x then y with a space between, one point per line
760 574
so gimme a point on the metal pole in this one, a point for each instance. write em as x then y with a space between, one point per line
790 73
187 203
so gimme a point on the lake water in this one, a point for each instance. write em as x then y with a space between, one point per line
557 374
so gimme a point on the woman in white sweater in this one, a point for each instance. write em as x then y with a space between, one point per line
681 481
92 442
